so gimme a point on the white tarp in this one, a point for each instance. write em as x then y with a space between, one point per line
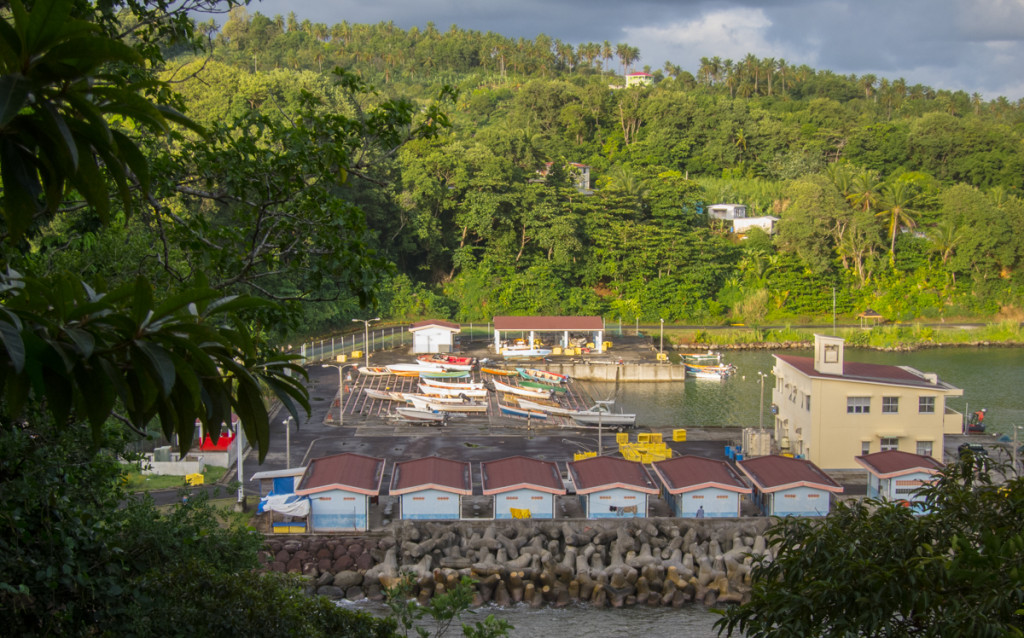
288 504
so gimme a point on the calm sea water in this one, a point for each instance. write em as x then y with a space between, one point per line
991 378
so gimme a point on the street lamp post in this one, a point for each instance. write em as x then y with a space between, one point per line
366 336
341 388
760 413
288 443
661 338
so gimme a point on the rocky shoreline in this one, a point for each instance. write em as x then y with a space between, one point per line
619 563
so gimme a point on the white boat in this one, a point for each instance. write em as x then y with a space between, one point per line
526 404
448 362
422 401
412 369
383 395
452 392
412 414
523 392
718 372
600 414
458 407
374 372
512 352
452 385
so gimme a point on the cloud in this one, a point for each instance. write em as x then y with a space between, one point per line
728 34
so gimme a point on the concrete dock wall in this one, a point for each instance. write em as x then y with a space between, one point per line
625 373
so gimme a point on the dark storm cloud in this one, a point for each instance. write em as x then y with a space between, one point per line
974 45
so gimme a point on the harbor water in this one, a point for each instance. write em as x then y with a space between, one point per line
991 378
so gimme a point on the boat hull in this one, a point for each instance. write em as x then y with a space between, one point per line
523 414
523 392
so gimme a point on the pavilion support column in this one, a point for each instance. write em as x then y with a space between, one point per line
599 344
565 339
497 341
531 339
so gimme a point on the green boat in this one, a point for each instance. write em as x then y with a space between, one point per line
450 374
542 386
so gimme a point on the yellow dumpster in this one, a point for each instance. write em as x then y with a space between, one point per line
195 479
342 358
607 345
643 437
356 354
622 437
655 437
662 356
577 350
556 350
679 434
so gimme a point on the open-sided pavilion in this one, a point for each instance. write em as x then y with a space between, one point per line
564 325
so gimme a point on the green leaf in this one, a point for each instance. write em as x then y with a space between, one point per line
13 94
46 22
82 339
160 363
13 345
21 188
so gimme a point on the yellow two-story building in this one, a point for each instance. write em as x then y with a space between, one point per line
830 411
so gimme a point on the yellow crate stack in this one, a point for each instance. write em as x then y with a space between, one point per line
648 449
579 456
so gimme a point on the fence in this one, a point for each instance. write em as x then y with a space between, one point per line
377 339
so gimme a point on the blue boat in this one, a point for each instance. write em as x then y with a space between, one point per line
522 414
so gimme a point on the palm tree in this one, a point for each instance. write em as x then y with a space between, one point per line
864 194
842 177
896 201
606 53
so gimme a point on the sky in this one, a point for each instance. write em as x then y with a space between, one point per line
970 45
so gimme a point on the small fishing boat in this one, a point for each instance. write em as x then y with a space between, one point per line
412 414
384 395
498 372
445 374
600 414
533 374
523 392
508 410
452 392
412 369
717 372
447 361
473 407
455 385
420 401
539 385
708 358
527 352
527 404
374 372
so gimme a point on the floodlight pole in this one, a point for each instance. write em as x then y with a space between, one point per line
341 388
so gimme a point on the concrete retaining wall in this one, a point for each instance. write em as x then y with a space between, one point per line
625 373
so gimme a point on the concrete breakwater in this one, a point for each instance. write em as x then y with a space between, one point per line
647 562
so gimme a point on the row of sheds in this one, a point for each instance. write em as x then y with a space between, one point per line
340 488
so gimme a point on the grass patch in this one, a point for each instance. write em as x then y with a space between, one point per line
136 481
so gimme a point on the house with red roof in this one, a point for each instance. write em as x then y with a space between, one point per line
339 488
431 488
639 78
433 335
830 410
896 476
519 483
611 487
698 487
784 486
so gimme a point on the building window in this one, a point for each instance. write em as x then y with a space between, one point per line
808 403
926 405
924 448
831 354
865 448
890 405
858 405
891 443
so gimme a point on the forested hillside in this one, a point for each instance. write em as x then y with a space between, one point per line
899 197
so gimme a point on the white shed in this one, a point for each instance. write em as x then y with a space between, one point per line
433 336
744 224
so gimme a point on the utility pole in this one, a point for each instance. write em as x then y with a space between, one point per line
760 413
661 338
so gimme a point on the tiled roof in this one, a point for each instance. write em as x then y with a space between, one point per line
689 473
774 473
432 472
894 463
548 323
352 472
419 325
867 372
605 472
519 472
